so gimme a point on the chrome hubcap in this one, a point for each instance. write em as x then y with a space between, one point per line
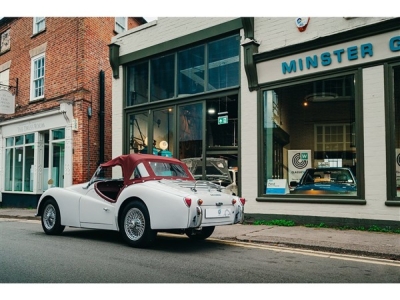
134 224
49 217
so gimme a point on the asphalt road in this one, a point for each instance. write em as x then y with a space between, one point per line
94 256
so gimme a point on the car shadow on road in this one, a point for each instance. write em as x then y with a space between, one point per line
173 243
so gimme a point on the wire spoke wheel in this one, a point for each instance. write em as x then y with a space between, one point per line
134 224
49 217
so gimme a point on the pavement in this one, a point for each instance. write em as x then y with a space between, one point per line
361 243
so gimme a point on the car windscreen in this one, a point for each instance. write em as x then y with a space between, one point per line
166 169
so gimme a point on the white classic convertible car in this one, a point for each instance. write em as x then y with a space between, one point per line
140 195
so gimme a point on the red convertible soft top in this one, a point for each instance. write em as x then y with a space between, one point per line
129 162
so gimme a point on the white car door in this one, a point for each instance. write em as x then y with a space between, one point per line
96 212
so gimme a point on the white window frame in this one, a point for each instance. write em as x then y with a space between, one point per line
5 79
39 24
35 78
121 24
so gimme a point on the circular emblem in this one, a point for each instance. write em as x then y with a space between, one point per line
298 162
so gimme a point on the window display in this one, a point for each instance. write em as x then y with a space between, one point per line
310 127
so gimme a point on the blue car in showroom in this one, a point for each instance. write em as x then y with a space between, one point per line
327 180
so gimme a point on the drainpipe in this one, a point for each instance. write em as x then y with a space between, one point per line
101 117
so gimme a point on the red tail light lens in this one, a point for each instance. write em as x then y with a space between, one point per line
242 200
188 201
233 201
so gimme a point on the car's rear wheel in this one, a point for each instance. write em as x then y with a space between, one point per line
135 225
51 218
200 234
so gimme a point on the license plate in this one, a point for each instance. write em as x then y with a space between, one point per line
218 213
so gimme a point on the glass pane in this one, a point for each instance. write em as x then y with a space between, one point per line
58 134
138 128
163 133
162 78
223 63
298 137
9 142
191 71
190 130
57 172
30 138
18 165
222 121
28 167
396 81
9 174
138 84
19 140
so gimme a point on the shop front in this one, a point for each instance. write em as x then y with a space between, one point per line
184 103
36 153
328 130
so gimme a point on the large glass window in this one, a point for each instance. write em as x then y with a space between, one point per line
223 63
185 72
163 77
138 87
310 126
396 91
19 163
191 71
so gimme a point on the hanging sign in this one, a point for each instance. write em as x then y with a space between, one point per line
7 102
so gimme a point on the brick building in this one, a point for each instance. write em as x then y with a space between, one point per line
55 102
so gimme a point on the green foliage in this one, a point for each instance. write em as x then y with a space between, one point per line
275 222
373 228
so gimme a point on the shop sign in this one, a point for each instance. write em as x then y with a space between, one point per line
7 102
277 186
365 50
299 161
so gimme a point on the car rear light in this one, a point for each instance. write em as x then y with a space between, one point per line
199 202
188 201
233 201
242 200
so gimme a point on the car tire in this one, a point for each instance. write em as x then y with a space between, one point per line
202 234
51 218
135 225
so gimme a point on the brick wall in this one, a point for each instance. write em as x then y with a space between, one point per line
76 51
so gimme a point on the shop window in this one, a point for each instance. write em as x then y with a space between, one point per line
191 71
39 24
138 80
163 132
222 122
396 92
37 77
138 140
162 78
19 163
310 126
223 63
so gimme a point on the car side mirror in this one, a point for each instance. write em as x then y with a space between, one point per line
294 183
